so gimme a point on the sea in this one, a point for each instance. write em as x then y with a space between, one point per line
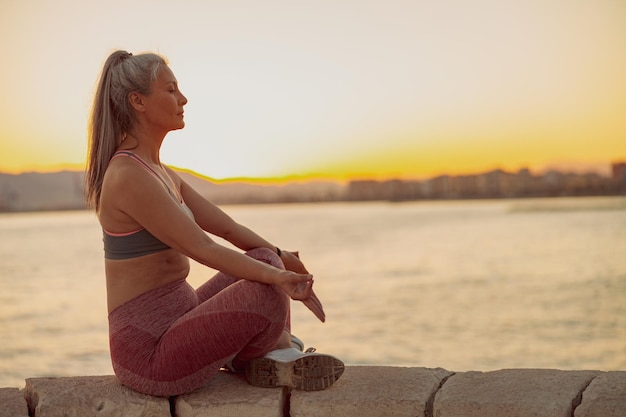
462 285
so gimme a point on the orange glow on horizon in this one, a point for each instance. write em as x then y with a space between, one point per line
358 172
405 90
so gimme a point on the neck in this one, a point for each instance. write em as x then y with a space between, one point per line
146 145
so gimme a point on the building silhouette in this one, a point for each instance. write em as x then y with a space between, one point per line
493 184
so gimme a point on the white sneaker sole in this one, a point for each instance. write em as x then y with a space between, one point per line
309 372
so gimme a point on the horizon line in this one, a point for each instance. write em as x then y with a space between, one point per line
316 177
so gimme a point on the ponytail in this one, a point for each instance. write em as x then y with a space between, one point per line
112 117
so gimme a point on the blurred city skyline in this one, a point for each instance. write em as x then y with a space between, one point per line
64 190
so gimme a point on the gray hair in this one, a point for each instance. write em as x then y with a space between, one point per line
112 116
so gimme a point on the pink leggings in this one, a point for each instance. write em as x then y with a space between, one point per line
172 339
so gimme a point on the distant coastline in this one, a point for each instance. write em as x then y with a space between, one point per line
64 190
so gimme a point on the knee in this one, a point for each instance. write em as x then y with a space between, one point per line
266 255
270 298
275 294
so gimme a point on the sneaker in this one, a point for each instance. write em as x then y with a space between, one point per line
289 367
297 343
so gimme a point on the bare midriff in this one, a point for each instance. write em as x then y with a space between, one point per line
129 278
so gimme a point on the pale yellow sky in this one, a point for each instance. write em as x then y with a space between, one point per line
333 88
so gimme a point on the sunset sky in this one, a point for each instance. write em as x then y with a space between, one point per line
330 88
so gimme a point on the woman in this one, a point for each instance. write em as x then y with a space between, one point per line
165 337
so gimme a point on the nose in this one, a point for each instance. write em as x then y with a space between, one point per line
183 99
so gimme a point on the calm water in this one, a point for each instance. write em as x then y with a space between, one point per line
461 285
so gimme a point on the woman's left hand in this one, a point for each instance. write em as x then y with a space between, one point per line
292 262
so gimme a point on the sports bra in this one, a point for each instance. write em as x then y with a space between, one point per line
138 242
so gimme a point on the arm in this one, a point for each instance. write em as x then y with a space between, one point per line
213 220
134 197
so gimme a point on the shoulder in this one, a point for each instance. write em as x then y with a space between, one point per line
128 190
122 172
118 187
126 179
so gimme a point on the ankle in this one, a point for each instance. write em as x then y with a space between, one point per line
283 342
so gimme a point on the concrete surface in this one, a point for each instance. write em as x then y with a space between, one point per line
362 391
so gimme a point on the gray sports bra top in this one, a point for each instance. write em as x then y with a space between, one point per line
138 242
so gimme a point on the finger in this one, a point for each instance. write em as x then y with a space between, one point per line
315 305
315 308
315 299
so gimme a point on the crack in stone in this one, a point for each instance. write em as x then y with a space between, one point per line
576 401
32 400
172 401
429 408
286 402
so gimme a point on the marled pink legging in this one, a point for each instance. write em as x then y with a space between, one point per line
172 339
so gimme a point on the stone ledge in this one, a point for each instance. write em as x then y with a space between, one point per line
363 391
605 396
372 391
12 403
85 396
230 395
513 393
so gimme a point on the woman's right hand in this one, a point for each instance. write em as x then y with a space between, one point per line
300 287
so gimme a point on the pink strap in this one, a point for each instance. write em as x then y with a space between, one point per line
143 163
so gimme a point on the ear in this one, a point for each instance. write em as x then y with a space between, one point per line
136 101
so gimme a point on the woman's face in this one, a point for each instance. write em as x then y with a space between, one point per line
164 104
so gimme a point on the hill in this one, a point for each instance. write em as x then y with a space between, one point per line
35 191
64 191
